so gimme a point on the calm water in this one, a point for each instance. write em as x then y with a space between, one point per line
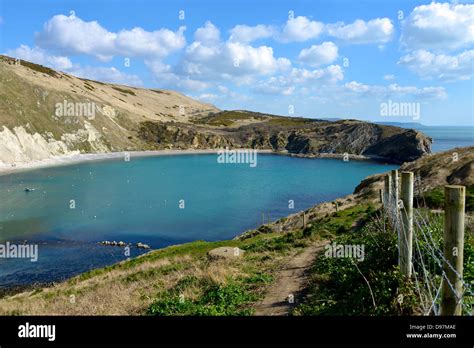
138 201
445 138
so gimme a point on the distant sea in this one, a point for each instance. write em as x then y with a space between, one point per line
448 137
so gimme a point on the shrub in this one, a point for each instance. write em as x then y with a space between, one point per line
215 300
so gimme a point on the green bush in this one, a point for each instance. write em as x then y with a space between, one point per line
434 198
215 300
338 288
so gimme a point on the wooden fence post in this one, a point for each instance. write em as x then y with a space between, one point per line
406 232
388 191
394 175
454 205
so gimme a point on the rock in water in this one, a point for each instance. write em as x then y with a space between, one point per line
142 246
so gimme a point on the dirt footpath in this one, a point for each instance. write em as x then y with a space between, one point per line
291 281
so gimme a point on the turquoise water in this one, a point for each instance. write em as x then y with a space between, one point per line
138 201
446 138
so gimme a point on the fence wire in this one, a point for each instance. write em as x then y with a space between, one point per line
428 261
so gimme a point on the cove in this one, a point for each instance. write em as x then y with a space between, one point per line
160 201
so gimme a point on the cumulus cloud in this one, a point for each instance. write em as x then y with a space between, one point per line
439 26
389 77
378 30
140 43
299 79
395 91
212 60
317 55
328 75
71 35
358 87
300 29
247 34
441 67
166 77
40 56
208 34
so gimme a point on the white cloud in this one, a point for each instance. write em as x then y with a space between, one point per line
355 86
71 35
440 67
329 75
439 26
217 61
166 77
230 60
247 34
207 97
389 77
300 29
425 92
378 30
39 56
140 43
298 80
317 55
272 89
107 74
208 34
395 91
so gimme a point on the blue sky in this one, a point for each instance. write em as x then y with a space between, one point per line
319 58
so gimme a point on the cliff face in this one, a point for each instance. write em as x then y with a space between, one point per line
45 113
122 118
304 137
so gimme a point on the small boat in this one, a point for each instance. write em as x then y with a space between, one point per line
29 189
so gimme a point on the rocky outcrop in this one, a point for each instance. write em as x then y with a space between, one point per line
173 136
358 138
403 147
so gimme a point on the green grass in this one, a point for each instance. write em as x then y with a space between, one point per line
290 121
337 287
434 198
214 299
283 242
227 118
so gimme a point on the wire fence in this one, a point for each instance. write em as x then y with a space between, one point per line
421 231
